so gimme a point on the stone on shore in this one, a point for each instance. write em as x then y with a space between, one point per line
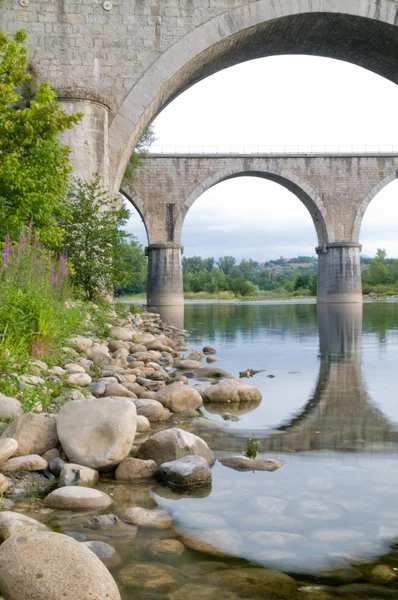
12 523
178 397
243 463
151 409
34 434
184 472
97 433
73 474
142 517
118 390
71 497
122 334
80 344
31 462
81 379
9 408
143 424
133 469
187 364
51 566
8 447
4 483
231 390
215 542
171 444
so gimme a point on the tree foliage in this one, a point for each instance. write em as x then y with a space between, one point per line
34 164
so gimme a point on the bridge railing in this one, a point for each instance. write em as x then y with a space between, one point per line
354 149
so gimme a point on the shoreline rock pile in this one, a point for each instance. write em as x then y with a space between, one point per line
118 394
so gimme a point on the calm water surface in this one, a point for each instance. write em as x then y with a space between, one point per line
330 411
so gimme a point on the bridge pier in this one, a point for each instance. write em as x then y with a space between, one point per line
339 272
89 139
164 287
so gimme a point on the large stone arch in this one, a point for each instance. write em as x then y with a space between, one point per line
311 200
368 199
362 32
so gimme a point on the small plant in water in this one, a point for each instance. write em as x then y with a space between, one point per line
251 448
33 491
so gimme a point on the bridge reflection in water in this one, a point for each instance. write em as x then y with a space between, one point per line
340 415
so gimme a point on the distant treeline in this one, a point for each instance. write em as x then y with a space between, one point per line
284 276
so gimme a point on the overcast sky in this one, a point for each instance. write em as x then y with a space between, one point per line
281 100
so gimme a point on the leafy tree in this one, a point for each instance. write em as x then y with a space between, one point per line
226 264
34 164
132 279
377 272
92 237
139 155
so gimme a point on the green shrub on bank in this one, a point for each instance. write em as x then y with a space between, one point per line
34 292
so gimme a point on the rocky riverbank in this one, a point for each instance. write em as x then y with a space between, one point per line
127 413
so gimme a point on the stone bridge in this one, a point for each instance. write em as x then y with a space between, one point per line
122 61
336 190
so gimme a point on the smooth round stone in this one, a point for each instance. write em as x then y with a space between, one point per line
31 462
216 542
100 549
131 469
143 424
51 566
154 577
383 574
156 519
167 548
77 497
81 379
186 471
8 447
74 368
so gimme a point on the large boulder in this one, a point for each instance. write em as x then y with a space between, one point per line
133 469
9 408
151 409
72 474
39 565
178 397
12 523
31 462
231 390
73 496
184 472
187 364
97 433
171 444
34 433
8 447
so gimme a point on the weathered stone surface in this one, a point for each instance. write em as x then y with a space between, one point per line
155 519
215 542
163 548
77 497
151 409
8 447
143 424
153 577
81 379
31 462
255 583
102 522
118 390
97 433
50 565
73 474
4 483
80 344
9 408
122 333
178 397
131 469
231 390
383 574
186 471
243 463
171 444
12 523
186 363
35 434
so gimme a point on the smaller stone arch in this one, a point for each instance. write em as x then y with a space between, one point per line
311 200
132 197
367 200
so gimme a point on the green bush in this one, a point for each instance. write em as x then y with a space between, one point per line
34 288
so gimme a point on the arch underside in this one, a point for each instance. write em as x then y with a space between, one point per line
369 42
304 193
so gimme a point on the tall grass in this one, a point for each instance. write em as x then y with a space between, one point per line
34 289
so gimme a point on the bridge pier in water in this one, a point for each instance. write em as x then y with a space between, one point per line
339 273
164 285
